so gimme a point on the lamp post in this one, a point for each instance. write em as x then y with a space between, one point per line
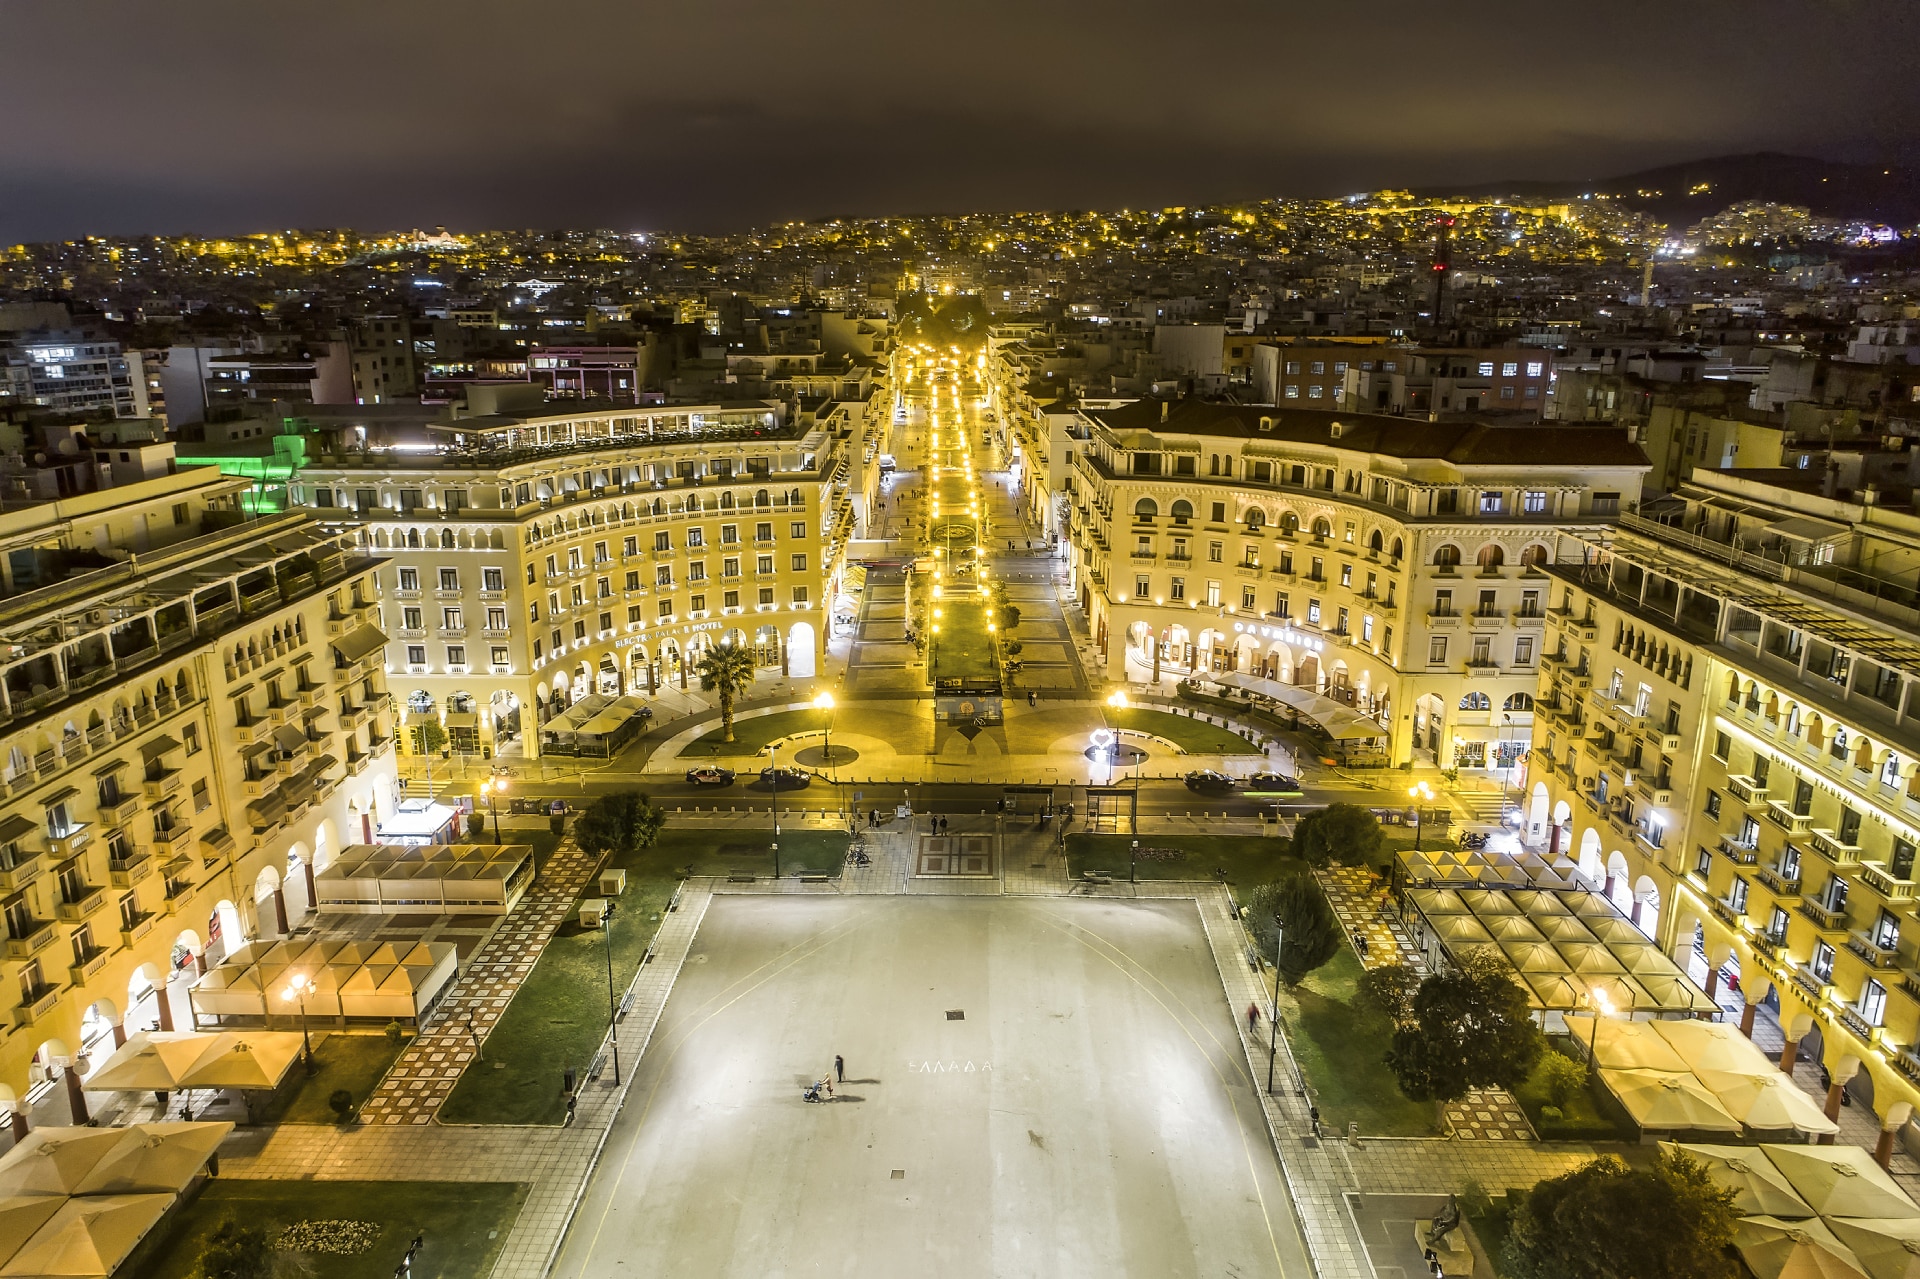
774 774
1273 1021
489 787
1419 794
613 1036
297 987
824 702
1133 860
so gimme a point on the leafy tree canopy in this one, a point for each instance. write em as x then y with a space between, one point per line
1605 1220
1344 833
620 823
1309 931
1389 991
1470 1029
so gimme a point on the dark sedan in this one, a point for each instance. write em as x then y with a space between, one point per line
784 778
1205 779
711 775
1272 784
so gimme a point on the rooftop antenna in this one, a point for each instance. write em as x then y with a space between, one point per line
1442 265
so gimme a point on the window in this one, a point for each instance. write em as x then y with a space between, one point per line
1219 513
1142 585
190 738
1319 366
580 629
666 608
1510 368
1178 590
1247 599
799 563
730 599
1293 390
729 534
1523 651
766 596
409 579
501 657
450 619
1873 1002
1293 367
1722 746
1486 368
633 581
730 566
1313 612
663 575
1315 391
457 654
697 571
1492 503
797 529
697 604
449 579
763 532
763 564
663 541
201 800
1713 804
1437 650
1346 575
416 654
799 595
1534 503
411 619
1822 961
1366 628
493 579
1535 368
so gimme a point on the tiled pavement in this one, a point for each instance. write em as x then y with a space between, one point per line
1490 1114
427 1071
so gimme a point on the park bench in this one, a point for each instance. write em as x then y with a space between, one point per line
740 879
813 879
1096 877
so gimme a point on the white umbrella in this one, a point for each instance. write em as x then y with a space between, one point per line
155 1158
151 1062
20 1216
1665 1101
1623 1045
1886 1249
1776 1249
52 1161
1709 1045
87 1237
1841 1181
1758 1187
1768 1102
246 1059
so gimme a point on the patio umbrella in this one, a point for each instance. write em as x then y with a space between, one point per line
251 1059
1589 903
1537 903
1667 1101
1759 1190
1488 901
1644 958
1511 928
1551 990
1438 901
87 1237
1674 993
1768 1102
1589 957
155 1061
52 1161
1458 928
1841 1181
1559 928
1776 1249
1624 1045
20 1216
1711 1046
161 1158
1886 1249
1616 931
1535 957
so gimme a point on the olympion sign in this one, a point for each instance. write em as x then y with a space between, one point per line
1286 633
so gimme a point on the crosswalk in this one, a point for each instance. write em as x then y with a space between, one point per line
1484 807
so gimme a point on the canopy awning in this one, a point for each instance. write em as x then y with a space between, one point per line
358 644
1341 722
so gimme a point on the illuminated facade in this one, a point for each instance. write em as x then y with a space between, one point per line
1393 566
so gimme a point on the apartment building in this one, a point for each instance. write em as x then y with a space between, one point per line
185 737
1314 375
1728 744
1387 567
72 371
532 560
44 538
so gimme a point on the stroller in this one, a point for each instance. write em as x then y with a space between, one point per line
811 1092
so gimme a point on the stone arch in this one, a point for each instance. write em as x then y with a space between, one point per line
297 885
1375 542
1446 555
1592 865
1181 511
101 1030
800 650
1145 509
1538 803
1536 555
1322 527
269 903
1306 672
1490 557
233 930
1280 662
1476 701
1518 702
1646 905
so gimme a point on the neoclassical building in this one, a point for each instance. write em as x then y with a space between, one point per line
1728 742
1393 567
531 560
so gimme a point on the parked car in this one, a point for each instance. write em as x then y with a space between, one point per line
785 778
1207 779
710 775
1272 784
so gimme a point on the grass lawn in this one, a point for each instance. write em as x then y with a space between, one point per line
1249 860
464 1224
559 1016
353 1062
1580 1119
1341 1048
1491 1228
1194 735
962 649
751 735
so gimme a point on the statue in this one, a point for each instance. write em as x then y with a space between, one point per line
1445 1224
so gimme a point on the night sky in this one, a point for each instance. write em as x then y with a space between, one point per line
218 117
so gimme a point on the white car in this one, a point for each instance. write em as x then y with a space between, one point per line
887 463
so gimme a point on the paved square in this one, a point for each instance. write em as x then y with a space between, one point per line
1088 1112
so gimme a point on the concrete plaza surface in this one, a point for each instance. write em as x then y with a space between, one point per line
1089 1113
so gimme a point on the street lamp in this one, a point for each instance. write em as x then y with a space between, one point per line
1273 1022
774 774
297 987
489 787
613 1030
1420 793
824 702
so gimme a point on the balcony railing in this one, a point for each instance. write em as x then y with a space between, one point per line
1876 955
1827 921
1876 876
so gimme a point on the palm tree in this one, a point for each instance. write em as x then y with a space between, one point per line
728 670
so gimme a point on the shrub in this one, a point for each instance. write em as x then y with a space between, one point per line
1561 1077
340 1102
1344 833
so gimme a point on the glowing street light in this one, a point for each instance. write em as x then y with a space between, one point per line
824 702
1420 794
297 987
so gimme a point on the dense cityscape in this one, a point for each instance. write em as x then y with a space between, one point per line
1129 741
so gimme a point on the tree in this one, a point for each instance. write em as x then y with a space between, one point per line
726 669
340 1102
235 1251
1604 1220
1345 833
620 823
433 737
1561 1077
1470 1029
1309 931
1389 991
1009 616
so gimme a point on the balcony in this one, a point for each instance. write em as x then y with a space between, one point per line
1748 792
1811 984
69 841
1779 883
39 936
1831 847
37 1005
127 872
1876 876
1871 951
1786 819
89 901
1738 853
162 785
1854 1020
135 929
1827 921
1729 915
174 841
87 969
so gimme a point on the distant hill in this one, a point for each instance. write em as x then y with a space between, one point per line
1682 194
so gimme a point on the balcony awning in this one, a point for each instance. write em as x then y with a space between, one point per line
218 840
322 764
289 738
60 796
15 827
267 810
111 766
1341 722
155 747
357 645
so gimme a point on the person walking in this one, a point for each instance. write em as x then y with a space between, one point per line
840 1068
1253 1018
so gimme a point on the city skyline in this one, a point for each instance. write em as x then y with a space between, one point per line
682 120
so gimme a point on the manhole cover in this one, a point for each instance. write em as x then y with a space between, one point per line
899 1174
956 1014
